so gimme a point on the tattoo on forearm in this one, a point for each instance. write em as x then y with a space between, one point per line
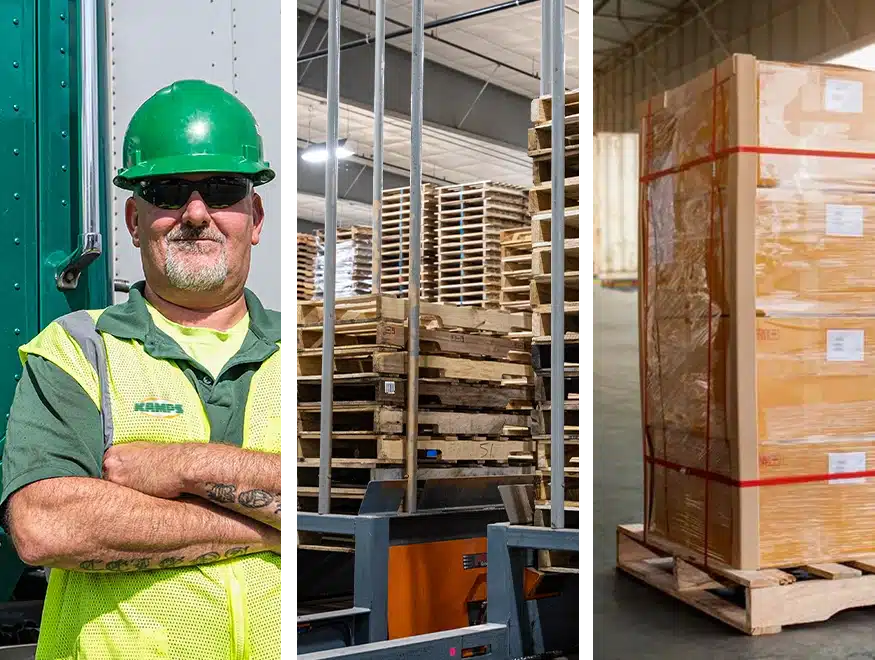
222 493
145 563
170 562
207 557
255 498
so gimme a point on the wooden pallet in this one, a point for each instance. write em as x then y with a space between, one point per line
540 289
516 269
540 196
471 218
389 450
392 335
571 382
352 420
306 266
360 309
757 602
349 484
619 283
541 319
395 246
542 348
439 366
542 221
570 414
542 107
436 394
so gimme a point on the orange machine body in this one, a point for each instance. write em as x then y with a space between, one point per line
431 584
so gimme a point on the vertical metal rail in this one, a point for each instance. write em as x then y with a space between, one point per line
326 406
545 47
377 204
557 268
416 86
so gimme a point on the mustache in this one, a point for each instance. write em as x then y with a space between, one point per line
188 233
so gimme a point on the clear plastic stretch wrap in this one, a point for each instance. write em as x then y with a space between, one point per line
758 313
353 275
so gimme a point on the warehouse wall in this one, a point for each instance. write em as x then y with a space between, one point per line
787 30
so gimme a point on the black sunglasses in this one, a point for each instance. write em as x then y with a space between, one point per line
218 192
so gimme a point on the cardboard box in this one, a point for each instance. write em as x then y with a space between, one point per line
757 313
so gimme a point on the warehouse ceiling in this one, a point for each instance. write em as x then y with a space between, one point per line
474 46
480 77
618 24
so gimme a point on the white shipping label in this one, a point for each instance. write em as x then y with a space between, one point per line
845 345
852 461
844 220
843 95
389 386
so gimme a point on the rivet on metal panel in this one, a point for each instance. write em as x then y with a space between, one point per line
18 241
63 168
63 51
63 83
17 286
15 65
17 376
15 152
17 331
16 196
16 108
63 202
63 134
63 17
15 21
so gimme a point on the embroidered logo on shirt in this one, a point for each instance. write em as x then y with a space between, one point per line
159 408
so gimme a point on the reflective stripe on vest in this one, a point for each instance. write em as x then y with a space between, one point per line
220 611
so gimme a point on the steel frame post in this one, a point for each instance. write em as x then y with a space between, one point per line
545 47
371 582
379 95
557 268
326 407
505 598
417 60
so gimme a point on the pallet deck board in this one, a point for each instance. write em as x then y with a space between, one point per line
773 598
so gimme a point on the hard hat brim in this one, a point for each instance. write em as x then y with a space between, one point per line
259 172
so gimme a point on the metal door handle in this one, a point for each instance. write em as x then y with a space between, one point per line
90 241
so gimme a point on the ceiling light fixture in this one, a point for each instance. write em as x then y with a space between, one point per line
318 152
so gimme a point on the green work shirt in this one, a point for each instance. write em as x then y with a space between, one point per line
55 429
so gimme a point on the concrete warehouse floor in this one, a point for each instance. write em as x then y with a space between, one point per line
633 619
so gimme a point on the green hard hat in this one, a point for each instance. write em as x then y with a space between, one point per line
190 127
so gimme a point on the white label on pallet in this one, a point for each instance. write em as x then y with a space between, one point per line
844 220
843 95
389 386
845 345
852 461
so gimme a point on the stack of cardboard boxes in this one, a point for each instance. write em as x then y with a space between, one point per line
758 313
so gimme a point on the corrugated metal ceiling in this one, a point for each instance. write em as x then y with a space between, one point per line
616 23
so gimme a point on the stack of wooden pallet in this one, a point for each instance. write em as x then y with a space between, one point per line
354 257
396 242
516 269
475 395
306 265
471 218
540 290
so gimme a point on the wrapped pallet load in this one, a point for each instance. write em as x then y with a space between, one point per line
757 314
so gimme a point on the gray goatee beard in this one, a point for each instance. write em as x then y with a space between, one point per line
181 273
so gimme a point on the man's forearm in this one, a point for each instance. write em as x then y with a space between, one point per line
246 482
93 525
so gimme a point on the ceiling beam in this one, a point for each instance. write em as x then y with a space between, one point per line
499 116
601 5
610 40
635 20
